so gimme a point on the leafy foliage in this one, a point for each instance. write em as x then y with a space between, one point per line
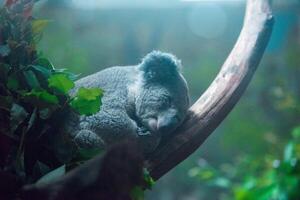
34 98
137 193
262 179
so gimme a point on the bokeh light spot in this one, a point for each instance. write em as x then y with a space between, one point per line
207 20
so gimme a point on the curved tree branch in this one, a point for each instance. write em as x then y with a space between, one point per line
224 92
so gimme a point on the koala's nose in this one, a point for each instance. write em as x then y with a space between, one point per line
153 125
167 124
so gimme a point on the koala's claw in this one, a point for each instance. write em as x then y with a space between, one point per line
142 131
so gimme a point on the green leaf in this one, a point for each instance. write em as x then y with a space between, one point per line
137 193
61 82
87 101
86 154
6 102
296 132
52 176
13 83
71 76
86 107
44 62
43 95
38 26
148 179
31 79
89 94
32 119
47 97
4 50
17 115
43 70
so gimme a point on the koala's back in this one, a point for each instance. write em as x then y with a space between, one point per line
111 80
112 118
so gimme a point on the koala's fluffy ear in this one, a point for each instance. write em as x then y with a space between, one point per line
159 66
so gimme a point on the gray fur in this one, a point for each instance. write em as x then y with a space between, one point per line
145 101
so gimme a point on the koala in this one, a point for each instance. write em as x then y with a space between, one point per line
147 101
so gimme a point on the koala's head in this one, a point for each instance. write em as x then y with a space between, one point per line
162 99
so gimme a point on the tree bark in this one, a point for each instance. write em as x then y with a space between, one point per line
224 92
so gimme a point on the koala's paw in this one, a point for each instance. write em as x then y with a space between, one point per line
88 139
149 141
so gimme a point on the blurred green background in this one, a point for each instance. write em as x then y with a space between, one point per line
89 35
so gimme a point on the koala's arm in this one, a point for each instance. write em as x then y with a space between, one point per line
86 138
106 129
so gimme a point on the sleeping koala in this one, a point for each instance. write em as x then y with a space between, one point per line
147 101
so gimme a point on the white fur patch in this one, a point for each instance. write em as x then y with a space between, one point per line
137 83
